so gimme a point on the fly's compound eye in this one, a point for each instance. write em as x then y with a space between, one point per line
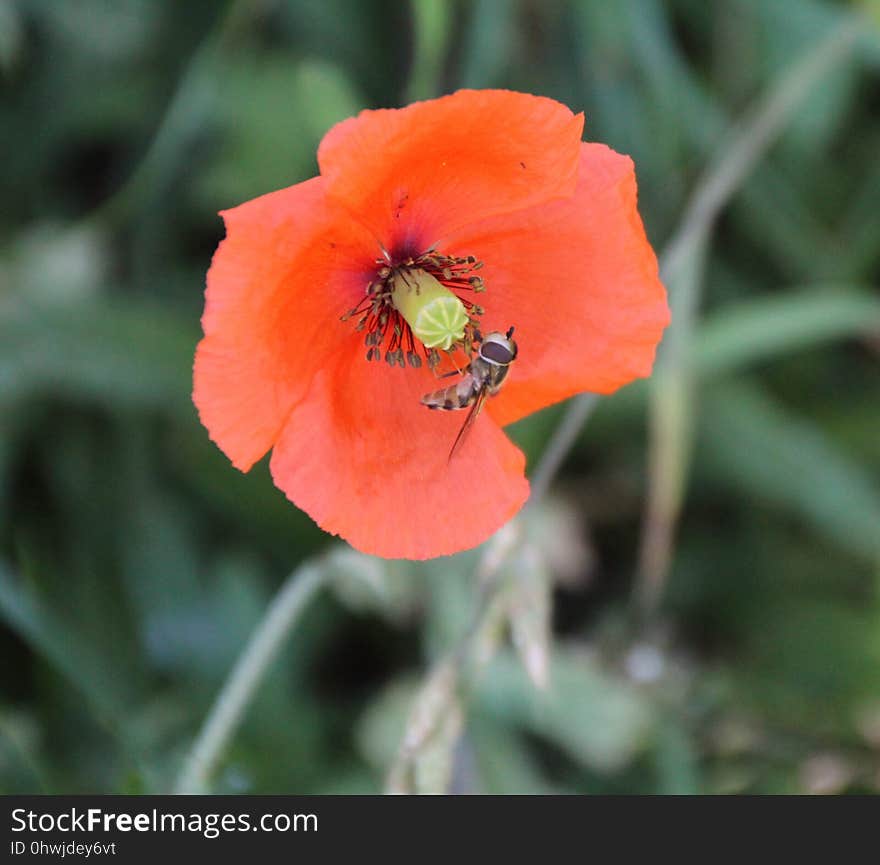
496 352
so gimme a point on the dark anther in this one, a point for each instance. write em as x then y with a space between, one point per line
378 316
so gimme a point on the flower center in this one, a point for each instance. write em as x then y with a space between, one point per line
420 302
435 315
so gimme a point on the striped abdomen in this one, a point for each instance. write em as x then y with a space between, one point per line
480 376
457 396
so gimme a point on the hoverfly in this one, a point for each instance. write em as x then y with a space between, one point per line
482 378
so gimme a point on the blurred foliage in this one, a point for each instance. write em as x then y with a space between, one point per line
134 561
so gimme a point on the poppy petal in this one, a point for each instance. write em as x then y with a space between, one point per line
413 175
579 281
368 462
291 264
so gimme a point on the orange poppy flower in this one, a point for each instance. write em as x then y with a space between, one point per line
485 202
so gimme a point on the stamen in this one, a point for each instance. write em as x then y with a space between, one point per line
415 300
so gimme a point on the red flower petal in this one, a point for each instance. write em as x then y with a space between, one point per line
578 279
415 174
498 175
368 462
290 265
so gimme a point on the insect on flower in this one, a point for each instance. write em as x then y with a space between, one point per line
332 306
483 378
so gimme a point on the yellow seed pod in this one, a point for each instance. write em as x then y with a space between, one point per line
437 317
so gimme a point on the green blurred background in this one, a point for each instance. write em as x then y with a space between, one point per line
135 561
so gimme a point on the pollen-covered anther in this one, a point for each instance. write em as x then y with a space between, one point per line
395 357
418 306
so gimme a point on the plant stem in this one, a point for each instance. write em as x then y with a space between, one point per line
564 437
438 701
432 25
239 689
681 269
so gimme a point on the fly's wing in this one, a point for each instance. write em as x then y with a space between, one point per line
473 414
